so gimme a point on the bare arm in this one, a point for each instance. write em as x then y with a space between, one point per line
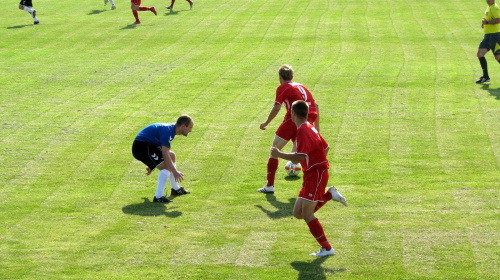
493 21
293 157
274 112
316 123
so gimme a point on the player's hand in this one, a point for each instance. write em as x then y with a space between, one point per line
148 170
179 176
263 126
275 151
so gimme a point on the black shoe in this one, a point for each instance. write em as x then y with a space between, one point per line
162 200
179 191
483 80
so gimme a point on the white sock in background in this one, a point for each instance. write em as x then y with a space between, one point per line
162 181
173 183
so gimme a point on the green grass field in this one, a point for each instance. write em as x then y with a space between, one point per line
415 144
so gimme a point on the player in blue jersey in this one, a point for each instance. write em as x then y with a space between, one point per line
152 147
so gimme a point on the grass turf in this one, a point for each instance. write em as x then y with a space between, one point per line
415 143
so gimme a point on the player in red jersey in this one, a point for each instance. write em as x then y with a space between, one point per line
173 1
311 153
287 93
136 6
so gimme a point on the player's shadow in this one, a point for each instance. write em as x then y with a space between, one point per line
314 270
96 12
129 26
147 208
292 178
493 91
18 26
283 209
171 13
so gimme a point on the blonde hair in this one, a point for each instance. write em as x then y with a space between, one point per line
286 72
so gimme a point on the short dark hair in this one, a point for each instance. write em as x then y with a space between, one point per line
184 120
300 108
286 72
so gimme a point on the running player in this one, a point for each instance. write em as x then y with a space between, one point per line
136 6
311 153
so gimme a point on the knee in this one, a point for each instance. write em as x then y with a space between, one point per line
21 7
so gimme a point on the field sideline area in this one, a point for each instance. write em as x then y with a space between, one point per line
415 143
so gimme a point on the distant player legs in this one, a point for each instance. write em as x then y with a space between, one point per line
173 1
26 5
136 6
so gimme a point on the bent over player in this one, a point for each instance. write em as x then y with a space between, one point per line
152 147
287 93
311 153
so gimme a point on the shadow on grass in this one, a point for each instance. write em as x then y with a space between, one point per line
493 91
314 270
130 26
18 26
292 178
96 12
283 209
147 208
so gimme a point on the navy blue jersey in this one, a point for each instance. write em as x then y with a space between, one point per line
158 134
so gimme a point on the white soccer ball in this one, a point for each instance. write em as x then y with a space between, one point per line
293 169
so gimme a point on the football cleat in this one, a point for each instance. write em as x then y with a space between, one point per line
336 196
323 253
483 80
191 5
169 7
153 10
266 189
136 22
113 7
179 191
162 200
36 22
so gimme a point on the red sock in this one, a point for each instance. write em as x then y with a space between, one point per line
136 15
326 197
172 3
272 166
317 231
144 9
189 1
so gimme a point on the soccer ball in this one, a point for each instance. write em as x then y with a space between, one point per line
293 169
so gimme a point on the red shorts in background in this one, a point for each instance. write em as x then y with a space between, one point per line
288 129
136 2
314 185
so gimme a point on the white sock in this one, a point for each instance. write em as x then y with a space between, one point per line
162 181
28 9
173 183
112 3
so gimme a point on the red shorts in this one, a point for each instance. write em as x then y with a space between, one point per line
288 129
136 2
314 185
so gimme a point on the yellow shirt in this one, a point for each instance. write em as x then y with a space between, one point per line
492 12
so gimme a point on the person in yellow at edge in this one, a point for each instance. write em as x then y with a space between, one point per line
491 39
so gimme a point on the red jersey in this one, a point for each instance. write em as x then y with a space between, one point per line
287 93
311 144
